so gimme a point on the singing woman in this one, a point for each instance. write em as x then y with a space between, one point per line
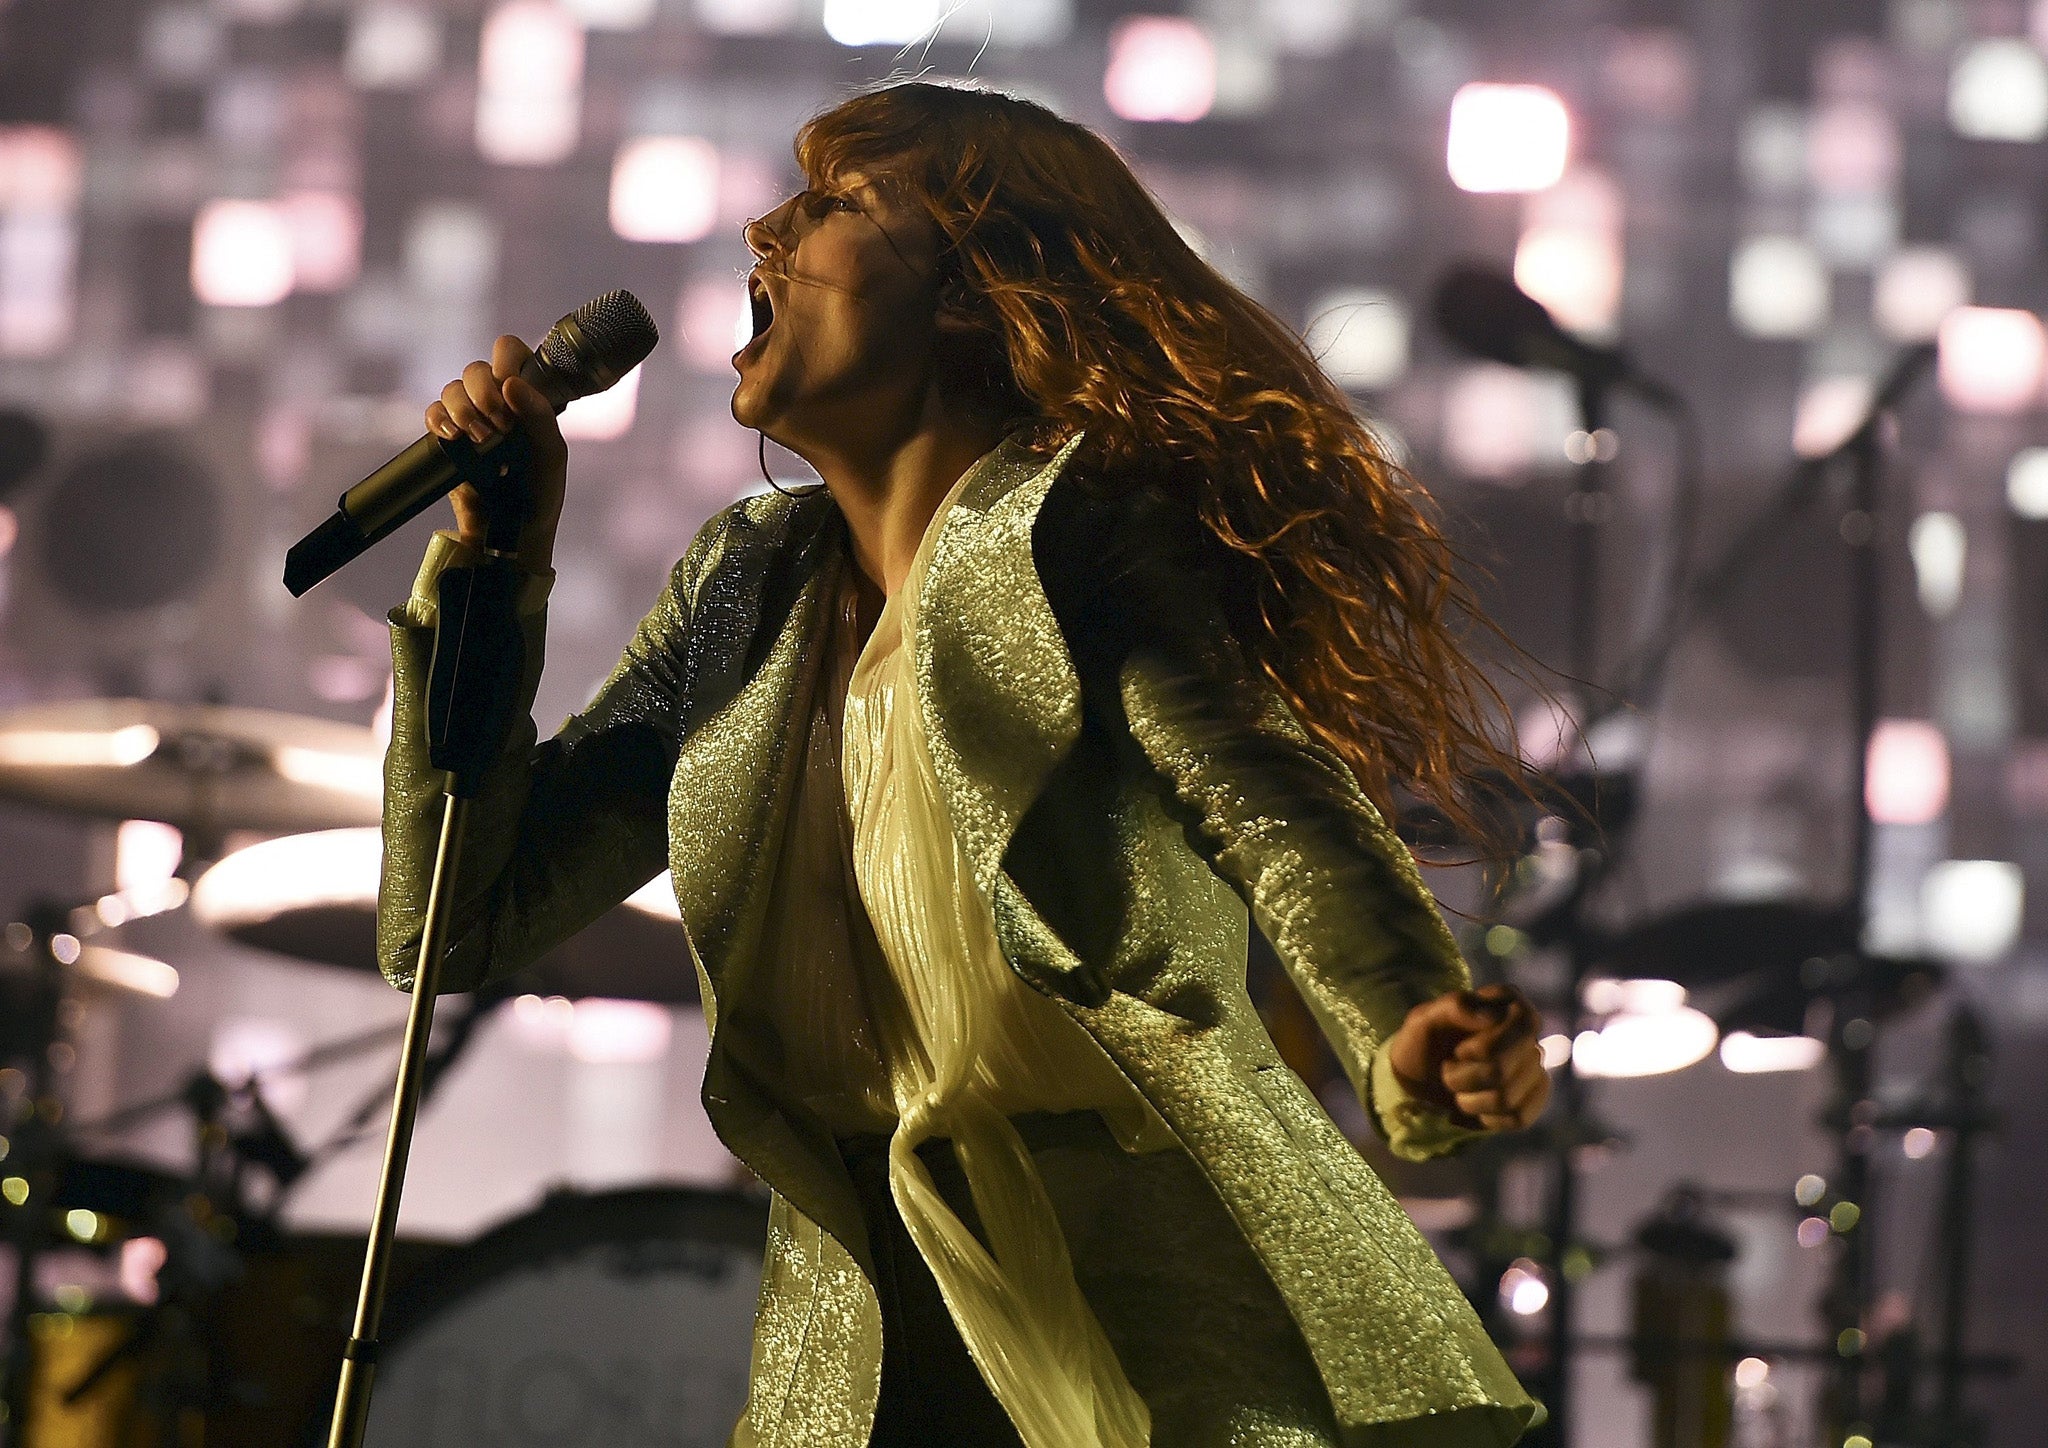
1109 630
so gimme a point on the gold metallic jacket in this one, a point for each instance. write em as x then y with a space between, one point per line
1124 784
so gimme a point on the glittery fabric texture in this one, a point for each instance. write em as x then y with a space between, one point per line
1126 789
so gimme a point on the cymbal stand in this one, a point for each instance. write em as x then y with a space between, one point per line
1968 1066
471 705
33 1158
1587 507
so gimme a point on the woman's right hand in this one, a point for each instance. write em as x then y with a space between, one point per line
492 398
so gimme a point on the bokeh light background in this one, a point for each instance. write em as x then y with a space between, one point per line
242 242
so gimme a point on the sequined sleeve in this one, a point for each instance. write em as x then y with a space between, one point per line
1276 814
562 830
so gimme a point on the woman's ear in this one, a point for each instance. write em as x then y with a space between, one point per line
959 312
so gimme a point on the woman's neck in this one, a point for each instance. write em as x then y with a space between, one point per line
889 499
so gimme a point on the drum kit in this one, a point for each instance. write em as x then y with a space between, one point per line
160 1308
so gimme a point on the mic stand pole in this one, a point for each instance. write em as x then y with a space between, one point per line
1587 509
472 700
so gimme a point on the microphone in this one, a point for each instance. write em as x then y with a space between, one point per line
587 351
1486 314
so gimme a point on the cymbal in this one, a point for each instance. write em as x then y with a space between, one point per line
202 767
1760 963
1719 940
122 971
314 897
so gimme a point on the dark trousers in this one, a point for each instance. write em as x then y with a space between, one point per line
932 1393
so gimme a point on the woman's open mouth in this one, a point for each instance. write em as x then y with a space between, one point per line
762 305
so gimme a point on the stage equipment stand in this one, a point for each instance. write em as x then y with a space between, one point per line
1852 1032
472 703
34 1157
1587 507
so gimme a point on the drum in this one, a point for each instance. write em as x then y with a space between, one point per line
621 1319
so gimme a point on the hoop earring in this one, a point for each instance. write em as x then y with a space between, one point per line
766 476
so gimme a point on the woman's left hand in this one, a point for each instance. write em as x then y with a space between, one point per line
1473 1054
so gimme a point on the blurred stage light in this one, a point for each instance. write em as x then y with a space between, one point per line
41 172
391 47
529 84
451 250
1576 273
241 254
245 113
146 853
1507 137
1998 91
1652 72
1161 68
1005 23
1938 546
616 1032
1777 287
1917 287
1992 359
1754 1055
604 415
713 320
1314 27
1919 1143
881 22
1853 230
183 43
1586 199
1523 1290
1649 1030
38 282
1360 335
611 14
320 867
665 188
2026 483
1830 408
1852 148
746 17
1907 780
1497 421
1970 910
1771 151
326 239
40 169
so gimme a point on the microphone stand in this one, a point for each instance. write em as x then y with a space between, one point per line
472 700
1586 508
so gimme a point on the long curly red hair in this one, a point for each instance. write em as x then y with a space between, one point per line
1101 318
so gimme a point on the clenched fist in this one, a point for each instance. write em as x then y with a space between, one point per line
1473 1054
491 398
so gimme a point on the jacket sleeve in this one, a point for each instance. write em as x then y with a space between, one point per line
1277 815
560 831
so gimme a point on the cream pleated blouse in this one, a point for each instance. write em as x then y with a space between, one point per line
965 1045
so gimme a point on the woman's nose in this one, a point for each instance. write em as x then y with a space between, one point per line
768 234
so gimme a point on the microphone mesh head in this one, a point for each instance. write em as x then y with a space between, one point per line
598 343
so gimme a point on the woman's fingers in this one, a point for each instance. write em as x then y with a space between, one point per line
1501 1082
487 392
508 355
1470 1075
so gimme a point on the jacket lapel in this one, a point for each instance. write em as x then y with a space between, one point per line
1001 700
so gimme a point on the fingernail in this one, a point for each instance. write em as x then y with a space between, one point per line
479 434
